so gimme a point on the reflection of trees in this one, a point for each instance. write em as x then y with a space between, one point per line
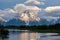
3 34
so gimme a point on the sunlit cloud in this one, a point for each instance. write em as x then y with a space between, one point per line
52 9
36 2
22 12
30 13
27 13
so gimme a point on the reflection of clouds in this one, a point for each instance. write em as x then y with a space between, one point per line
29 36
33 36
38 36
26 35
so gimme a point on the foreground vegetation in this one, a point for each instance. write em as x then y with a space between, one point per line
36 28
3 33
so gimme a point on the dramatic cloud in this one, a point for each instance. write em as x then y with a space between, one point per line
22 12
30 10
34 2
27 13
30 13
7 14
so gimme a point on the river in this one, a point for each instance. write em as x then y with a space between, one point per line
27 35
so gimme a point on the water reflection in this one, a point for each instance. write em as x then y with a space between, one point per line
4 34
26 35
29 36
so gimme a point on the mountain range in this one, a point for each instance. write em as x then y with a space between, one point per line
19 22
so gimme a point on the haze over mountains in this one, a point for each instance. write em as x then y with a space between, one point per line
19 22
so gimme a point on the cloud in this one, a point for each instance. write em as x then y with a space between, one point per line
30 13
36 2
7 14
50 13
20 11
52 9
49 18
27 13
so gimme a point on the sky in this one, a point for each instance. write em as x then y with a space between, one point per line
29 10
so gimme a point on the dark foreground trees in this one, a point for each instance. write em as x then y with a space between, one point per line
51 28
56 27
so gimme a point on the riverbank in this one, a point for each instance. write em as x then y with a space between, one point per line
3 33
36 28
46 31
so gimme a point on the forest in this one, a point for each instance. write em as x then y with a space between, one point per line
35 28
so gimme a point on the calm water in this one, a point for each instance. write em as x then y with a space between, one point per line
26 35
